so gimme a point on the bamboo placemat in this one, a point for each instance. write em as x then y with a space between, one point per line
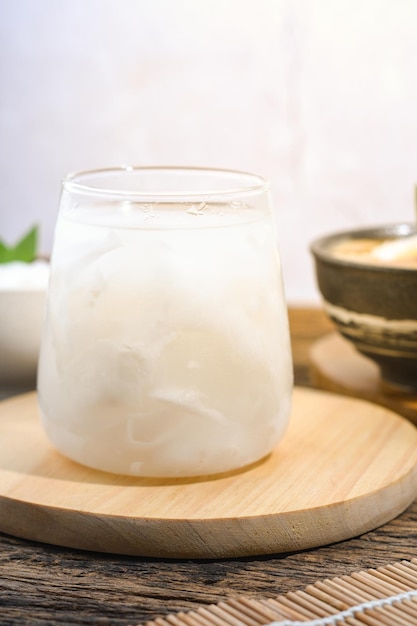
386 596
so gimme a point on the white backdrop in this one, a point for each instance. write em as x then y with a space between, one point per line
318 95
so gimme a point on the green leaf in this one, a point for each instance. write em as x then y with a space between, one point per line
5 253
25 250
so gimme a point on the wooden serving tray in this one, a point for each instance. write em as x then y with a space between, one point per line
338 367
345 466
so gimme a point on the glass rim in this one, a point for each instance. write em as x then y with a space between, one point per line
74 182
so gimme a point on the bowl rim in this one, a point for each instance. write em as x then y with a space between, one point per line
320 246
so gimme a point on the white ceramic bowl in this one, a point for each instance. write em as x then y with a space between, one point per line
23 290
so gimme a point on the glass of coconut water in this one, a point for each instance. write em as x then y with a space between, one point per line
165 349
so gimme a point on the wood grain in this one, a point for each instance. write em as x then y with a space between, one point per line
45 585
344 467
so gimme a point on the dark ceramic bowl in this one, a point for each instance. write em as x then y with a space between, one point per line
373 306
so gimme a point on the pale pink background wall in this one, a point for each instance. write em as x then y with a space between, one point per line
318 95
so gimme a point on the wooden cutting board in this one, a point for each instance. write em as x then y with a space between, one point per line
345 466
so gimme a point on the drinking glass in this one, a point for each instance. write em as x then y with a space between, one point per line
165 349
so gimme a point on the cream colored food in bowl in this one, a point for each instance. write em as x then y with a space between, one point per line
392 252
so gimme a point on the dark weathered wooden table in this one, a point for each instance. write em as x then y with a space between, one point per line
42 584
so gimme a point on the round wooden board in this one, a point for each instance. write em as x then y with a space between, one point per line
344 467
336 366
